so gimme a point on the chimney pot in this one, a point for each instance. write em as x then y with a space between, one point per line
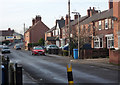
66 20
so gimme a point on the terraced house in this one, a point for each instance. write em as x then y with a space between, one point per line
101 28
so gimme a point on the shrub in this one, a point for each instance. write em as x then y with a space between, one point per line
65 53
112 48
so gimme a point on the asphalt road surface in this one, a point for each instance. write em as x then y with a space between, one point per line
46 70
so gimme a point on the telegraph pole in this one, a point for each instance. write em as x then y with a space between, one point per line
69 24
24 29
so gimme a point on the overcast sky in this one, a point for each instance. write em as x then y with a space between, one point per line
14 13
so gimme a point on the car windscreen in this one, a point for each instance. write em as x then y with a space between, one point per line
38 48
5 48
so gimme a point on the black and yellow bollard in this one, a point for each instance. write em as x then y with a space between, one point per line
69 74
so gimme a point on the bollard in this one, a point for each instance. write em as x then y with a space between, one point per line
18 74
69 74
12 80
5 71
3 74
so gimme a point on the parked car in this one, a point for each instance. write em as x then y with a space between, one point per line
17 47
51 47
5 49
38 50
1 46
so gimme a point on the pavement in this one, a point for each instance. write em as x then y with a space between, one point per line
100 62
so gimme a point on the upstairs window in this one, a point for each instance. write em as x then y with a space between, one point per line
106 23
112 24
119 41
84 28
53 33
89 28
100 25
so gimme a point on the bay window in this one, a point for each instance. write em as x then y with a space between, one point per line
110 42
98 42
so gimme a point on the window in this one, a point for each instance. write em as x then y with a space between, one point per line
98 42
112 24
106 23
100 25
84 28
89 28
53 33
56 32
119 42
110 42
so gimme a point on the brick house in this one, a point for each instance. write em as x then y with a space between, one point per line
36 31
54 35
6 35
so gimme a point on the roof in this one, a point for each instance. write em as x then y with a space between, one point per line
61 23
99 16
6 32
33 26
76 20
51 29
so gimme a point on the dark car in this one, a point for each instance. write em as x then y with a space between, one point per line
38 50
17 47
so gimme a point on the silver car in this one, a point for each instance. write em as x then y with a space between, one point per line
5 49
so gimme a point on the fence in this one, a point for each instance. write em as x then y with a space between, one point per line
94 53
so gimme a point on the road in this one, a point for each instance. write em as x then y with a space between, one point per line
47 70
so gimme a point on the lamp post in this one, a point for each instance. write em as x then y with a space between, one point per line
77 13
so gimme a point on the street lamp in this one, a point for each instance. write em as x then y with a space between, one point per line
77 13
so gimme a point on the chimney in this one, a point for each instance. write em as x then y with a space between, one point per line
76 17
110 4
66 20
38 18
62 18
91 12
9 29
88 12
33 21
116 8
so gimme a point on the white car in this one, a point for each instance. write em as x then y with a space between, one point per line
5 49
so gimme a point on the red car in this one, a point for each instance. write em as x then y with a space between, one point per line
38 50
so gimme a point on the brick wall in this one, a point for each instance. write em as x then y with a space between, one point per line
114 56
37 32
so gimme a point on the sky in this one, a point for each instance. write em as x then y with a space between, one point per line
14 13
